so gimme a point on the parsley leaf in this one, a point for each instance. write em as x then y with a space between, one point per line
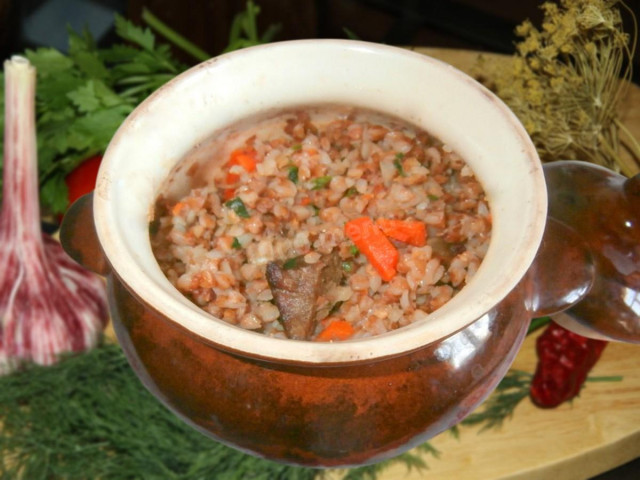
320 182
54 193
49 61
293 174
237 205
128 31
291 263
398 164
350 192
83 97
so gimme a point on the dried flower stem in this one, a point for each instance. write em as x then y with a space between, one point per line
631 143
567 80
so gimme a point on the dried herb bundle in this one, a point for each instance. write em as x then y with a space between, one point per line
566 80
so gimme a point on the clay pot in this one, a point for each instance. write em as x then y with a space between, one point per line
308 403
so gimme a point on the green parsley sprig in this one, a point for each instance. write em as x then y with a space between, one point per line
237 205
84 96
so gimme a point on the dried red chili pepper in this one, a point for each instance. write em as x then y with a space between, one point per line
564 361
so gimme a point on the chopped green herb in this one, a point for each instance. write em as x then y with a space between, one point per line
433 197
399 155
354 250
237 205
293 174
321 182
291 263
316 210
347 266
350 192
236 243
398 164
296 147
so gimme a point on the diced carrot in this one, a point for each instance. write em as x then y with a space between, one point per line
224 242
228 194
412 232
231 178
305 201
374 244
246 158
336 330
177 208
378 188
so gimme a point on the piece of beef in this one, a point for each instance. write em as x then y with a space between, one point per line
296 287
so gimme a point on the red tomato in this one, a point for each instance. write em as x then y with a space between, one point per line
82 180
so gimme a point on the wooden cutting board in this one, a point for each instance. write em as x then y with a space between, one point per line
598 431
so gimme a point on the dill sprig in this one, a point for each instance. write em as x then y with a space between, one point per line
511 390
564 82
89 416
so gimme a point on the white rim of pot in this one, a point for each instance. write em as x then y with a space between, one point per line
425 91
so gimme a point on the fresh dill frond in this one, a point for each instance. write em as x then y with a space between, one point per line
90 417
511 390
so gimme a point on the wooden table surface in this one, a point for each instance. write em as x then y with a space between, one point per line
598 431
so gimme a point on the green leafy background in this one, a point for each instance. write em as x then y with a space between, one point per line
83 97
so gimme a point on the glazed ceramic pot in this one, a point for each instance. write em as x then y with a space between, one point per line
308 403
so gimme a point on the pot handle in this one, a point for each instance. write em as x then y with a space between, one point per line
79 238
592 242
562 272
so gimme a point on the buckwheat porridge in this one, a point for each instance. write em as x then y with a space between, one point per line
324 223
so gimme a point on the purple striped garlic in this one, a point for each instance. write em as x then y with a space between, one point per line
49 304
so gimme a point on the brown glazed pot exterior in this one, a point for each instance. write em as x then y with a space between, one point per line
318 415
316 403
